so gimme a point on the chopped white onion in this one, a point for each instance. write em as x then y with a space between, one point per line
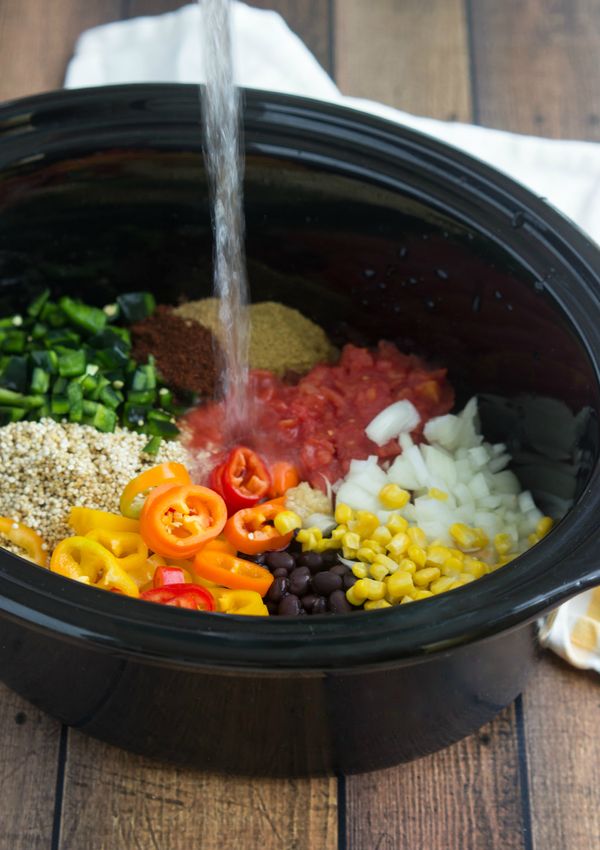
324 522
398 418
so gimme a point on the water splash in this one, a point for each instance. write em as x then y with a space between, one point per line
221 132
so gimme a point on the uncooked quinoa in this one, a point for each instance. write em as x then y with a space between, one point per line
48 467
281 339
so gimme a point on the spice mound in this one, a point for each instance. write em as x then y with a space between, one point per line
185 351
281 338
49 466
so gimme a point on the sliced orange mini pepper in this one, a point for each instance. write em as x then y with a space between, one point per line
83 520
284 476
25 538
132 498
177 520
89 562
252 530
229 571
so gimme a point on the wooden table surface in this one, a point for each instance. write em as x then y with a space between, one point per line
531 779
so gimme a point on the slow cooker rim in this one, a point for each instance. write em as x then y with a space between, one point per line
123 624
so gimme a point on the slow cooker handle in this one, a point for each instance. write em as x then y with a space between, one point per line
575 573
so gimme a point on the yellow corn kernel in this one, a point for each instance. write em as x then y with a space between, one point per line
417 536
351 540
349 553
452 566
373 605
424 577
544 526
434 493
406 599
456 553
360 570
506 559
370 543
503 543
379 571
407 565
442 584
437 555
417 554
368 588
421 594
468 539
382 535
364 553
303 535
473 567
533 539
398 544
352 598
396 524
393 497
327 544
456 583
364 523
399 584
387 562
466 578
339 532
343 514
287 521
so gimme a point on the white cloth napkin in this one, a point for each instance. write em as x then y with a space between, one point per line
267 55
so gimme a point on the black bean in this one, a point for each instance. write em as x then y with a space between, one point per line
319 605
272 607
278 589
280 571
326 582
338 603
277 560
330 557
308 601
349 581
299 581
312 560
260 558
289 606
339 570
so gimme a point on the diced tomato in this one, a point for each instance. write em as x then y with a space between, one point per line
319 423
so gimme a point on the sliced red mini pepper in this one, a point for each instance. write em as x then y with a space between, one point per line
177 520
242 479
164 576
181 596
252 530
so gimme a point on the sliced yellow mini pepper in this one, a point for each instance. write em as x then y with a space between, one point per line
83 520
128 547
88 561
239 602
25 538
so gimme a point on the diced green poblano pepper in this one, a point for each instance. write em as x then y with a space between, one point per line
135 306
152 446
40 380
90 319
36 306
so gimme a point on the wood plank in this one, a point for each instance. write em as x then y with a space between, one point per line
113 799
412 55
562 718
308 19
29 744
37 40
536 66
466 796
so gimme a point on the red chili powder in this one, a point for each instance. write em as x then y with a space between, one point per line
185 351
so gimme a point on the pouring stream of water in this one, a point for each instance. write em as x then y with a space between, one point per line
221 123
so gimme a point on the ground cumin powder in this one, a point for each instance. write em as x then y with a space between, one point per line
281 338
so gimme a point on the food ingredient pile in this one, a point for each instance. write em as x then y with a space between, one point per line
354 489
281 339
